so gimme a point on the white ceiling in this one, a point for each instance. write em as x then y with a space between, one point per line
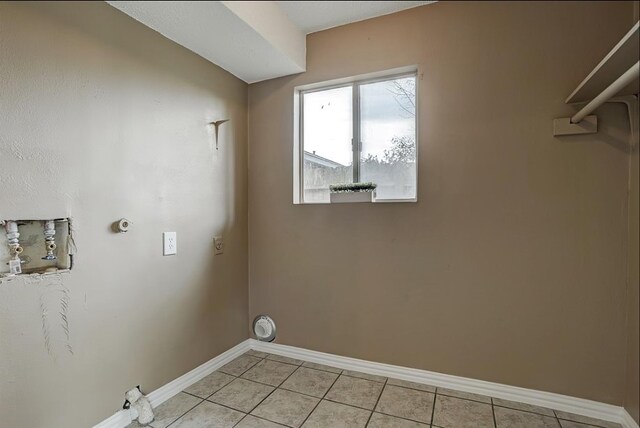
254 44
312 16
253 40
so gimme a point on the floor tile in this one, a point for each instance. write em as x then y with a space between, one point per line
524 407
210 384
412 385
209 415
269 372
282 359
255 353
364 376
455 412
585 420
173 408
355 392
464 395
241 395
385 421
252 422
239 365
135 424
286 407
336 415
510 418
322 367
310 382
406 403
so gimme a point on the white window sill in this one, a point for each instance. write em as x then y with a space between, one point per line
378 201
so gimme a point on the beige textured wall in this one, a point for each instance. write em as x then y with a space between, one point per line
512 265
632 396
102 118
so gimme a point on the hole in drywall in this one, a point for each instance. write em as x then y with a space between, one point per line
35 247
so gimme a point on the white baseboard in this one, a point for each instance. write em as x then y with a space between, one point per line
117 420
564 403
627 420
124 417
580 406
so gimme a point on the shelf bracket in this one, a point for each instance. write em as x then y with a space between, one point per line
563 126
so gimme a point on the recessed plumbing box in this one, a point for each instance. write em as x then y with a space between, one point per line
35 246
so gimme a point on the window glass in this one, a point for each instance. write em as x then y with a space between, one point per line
387 133
383 127
327 133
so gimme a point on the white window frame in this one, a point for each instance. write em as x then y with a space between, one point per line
355 83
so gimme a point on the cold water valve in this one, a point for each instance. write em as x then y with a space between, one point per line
49 239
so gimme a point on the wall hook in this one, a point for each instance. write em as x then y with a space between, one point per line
216 124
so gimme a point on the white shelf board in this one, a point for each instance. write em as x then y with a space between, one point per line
621 57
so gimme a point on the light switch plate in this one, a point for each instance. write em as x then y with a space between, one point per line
219 245
170 243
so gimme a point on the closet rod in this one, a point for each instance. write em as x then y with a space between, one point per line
629 76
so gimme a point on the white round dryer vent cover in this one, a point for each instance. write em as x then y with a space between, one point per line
264 328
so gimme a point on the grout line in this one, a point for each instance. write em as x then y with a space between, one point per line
435 393
466 399
269 395
178 418
352 377
283 362
401 417
493 413
345 404
525 411
586 424
433 409
301 393
317 368
257 417
261 401
364 378
241 419
557 418
209 396
250 367
320 401
374 410
377 401
193 395
222 405
261 383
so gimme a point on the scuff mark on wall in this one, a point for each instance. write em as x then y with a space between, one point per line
54 309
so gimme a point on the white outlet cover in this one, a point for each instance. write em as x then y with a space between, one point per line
170 243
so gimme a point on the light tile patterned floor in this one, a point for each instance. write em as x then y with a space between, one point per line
259 390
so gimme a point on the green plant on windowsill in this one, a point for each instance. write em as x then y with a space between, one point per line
352 187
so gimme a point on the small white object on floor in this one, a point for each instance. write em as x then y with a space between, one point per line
142 405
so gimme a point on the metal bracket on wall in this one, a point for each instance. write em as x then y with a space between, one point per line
617 73
216 124
563 126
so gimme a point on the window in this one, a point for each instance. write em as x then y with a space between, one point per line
380 115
